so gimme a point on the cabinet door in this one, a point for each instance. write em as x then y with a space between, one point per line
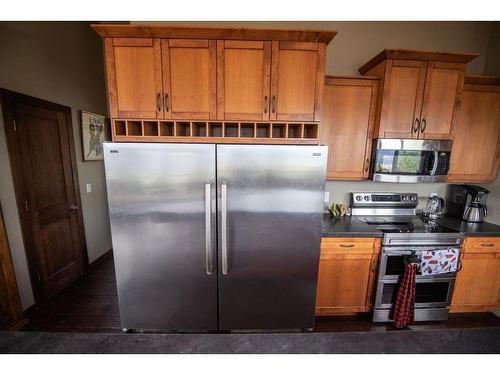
475 154
297 80
402 98
347 125
443 86
134 77
189 78
346 276
477 286
243 80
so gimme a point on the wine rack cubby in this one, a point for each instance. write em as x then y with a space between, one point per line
125 130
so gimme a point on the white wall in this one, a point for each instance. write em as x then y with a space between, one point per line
61 62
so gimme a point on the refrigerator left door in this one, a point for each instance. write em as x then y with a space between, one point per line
162 211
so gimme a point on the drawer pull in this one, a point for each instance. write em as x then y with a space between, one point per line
487 244
344 245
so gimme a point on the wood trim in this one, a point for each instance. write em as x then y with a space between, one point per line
255 140
275 57
188 43
302 46
370 290
482 80
365 81
133 42
109 57
407 54
247 44
203 32
21 193
320 80
220 80
371 127
483 88
167 90
212 50
266 80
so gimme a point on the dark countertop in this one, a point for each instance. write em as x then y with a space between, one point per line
472 229
347 226
350 226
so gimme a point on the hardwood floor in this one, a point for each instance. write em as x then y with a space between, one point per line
91 305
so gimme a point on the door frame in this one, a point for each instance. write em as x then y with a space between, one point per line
7 99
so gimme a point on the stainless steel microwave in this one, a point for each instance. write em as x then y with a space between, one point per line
411 160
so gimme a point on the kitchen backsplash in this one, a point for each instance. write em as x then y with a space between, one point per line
339 193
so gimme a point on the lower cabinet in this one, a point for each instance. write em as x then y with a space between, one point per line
477 287
347 274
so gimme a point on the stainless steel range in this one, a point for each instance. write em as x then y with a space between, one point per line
405 235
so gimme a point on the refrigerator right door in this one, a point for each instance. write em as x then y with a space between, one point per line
270 207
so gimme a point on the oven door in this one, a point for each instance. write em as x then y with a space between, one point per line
392 263
429 292
410 160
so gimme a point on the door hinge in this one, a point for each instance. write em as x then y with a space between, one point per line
14 123
26 206
38 278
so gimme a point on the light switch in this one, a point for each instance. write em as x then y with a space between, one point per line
327 196
89 188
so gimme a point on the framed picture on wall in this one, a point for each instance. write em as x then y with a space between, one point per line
94 132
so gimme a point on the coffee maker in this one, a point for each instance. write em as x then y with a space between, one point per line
467 202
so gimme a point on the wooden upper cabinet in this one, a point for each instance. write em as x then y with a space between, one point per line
297 79
420 92
133 68
475 156
243 71
189 78
443 88
348 117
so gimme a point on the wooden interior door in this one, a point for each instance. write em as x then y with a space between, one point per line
134 77
443 86
402 98
297 80
10 305
41 148
243 79
475 155
189 78
348 117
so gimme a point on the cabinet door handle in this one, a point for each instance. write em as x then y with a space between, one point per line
158 103
367 165
487 244
344 245
424 125
416 126
266 104
274 104
374 266
166 102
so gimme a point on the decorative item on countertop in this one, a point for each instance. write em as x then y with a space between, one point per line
337 210
403 309
435 262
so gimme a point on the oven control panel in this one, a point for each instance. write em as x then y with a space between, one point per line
384 199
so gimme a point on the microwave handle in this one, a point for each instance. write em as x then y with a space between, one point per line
436 161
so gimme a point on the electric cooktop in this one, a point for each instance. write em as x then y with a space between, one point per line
405 224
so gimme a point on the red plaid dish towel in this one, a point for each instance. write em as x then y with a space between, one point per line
403 312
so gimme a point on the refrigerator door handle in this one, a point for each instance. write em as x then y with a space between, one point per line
224 227
208 229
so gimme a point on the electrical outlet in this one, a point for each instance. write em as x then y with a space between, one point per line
89 188
327 196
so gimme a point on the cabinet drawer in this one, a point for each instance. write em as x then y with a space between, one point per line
341 244
482 244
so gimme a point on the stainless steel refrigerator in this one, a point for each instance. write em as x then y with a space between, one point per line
215 237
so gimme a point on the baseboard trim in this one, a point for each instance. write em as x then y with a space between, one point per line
104 257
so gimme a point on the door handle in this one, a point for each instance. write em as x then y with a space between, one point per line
158 102
416 126
367 165
166 102
208 230
224 227
73 207
274 104
266 104
424 125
